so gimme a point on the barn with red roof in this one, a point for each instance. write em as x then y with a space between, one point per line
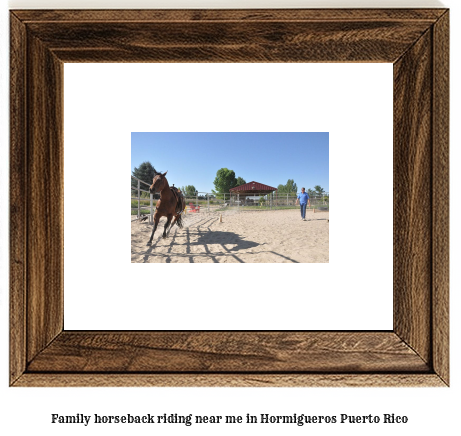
251 189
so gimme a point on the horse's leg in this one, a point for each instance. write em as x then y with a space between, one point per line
168 221
156 220
172 224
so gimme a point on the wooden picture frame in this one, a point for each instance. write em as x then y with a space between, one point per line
414 353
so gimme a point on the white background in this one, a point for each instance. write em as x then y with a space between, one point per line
351 101
429 410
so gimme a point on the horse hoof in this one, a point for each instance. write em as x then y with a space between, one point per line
149 243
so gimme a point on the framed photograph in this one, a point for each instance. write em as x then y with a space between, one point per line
228 218
415 352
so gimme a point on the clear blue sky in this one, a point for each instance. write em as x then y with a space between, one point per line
269 158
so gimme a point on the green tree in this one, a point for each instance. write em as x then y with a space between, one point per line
225 180
310 192
319 190
239 181
145 172
189 191
289 188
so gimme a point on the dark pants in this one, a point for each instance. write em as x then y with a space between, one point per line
303 210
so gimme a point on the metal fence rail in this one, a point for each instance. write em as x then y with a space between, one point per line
139 199
270 201
206 202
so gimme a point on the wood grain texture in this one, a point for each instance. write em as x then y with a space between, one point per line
414 354
236 352
441 199
413 196
230 380
195 41
18 203
184 15
229 35
44 194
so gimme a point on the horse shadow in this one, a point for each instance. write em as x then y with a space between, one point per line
224 239
230 243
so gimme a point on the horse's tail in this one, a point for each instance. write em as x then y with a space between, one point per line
179 221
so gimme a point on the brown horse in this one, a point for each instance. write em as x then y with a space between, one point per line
171 205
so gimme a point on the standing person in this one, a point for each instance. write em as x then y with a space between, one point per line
304 200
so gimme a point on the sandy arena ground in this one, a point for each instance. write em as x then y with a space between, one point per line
244 237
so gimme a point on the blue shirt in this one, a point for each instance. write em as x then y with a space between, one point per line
303 198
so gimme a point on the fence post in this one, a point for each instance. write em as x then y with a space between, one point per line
139 199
